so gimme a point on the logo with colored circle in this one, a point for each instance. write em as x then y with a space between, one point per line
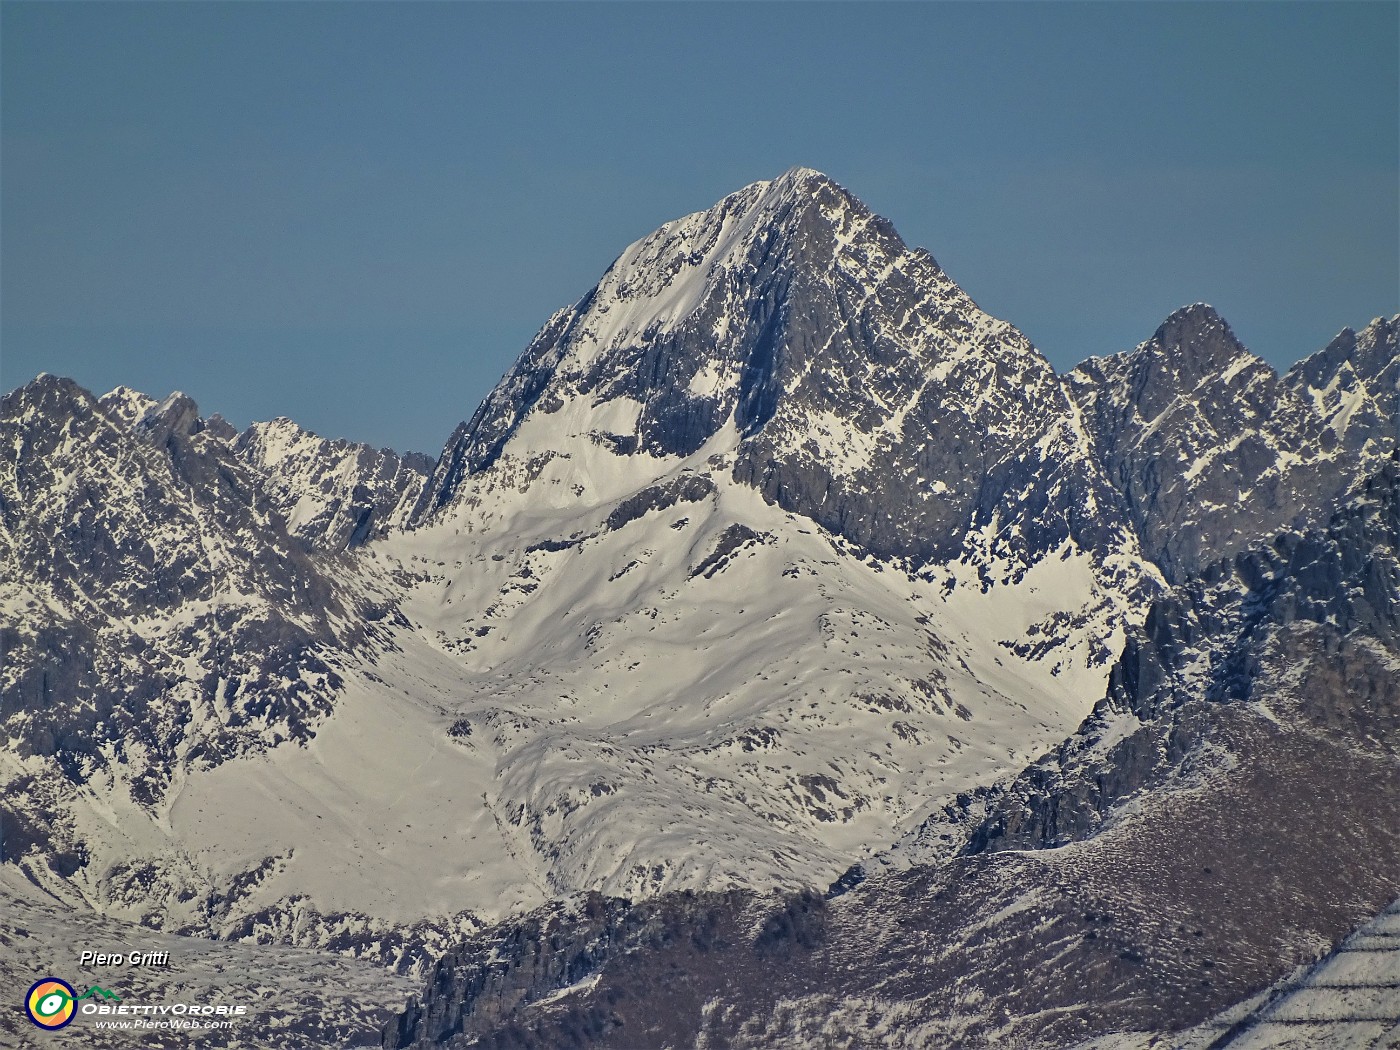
50 1003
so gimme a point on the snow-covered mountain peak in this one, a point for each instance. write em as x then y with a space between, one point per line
1352 383
692 326
44 393
797 174
1366 353
1199 344
789 329
1211 447
126 405
1193 357
769 228
177 414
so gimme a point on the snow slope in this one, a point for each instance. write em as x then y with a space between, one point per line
713 693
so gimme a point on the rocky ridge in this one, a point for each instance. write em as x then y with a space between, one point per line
333 494
1354 383
159 620
1211 448
146 574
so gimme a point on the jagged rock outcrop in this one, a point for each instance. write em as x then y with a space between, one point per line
1354 383
1326 600
158 616
1210 448
333 494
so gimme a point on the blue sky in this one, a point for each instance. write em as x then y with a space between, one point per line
357 215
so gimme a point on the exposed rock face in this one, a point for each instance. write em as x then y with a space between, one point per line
1353 383
1225 815
484 983
333 494
850 380
158 614
1211 448
109 513
1308 625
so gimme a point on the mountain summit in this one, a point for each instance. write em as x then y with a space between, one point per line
840 373
1211 448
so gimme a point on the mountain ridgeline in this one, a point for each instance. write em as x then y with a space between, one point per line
849 379
863 389
774 564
